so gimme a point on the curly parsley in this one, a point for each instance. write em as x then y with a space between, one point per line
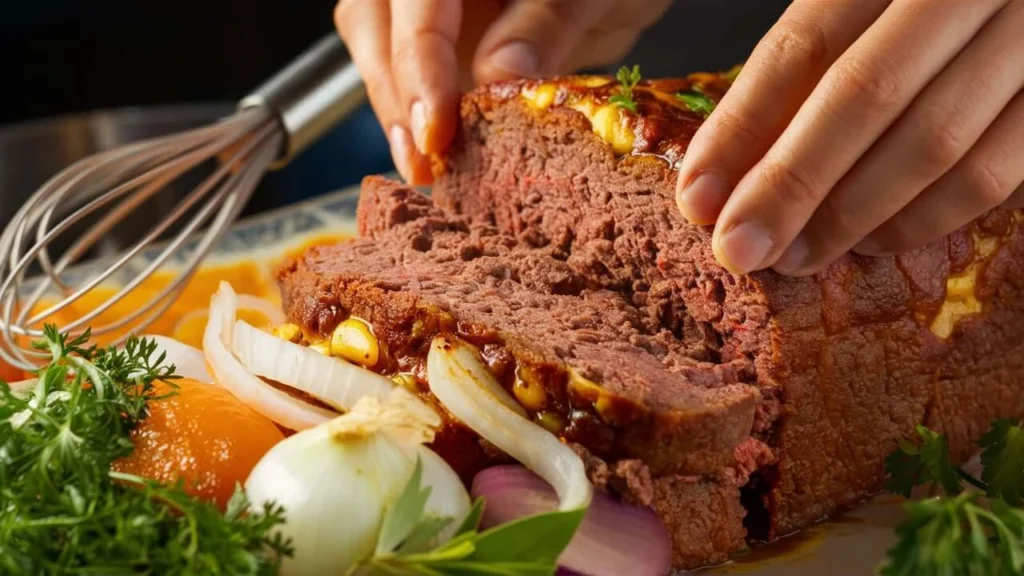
628 79
62 509
960 532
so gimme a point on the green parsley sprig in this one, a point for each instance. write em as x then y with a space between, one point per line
974 533
527 547
62 509
623 96
697 101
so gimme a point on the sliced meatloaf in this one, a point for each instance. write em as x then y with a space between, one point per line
846 362
655 421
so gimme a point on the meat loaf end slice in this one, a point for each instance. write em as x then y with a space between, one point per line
847 362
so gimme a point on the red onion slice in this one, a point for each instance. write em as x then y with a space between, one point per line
614 538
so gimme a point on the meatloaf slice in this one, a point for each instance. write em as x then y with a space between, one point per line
584 357
847 361
656 425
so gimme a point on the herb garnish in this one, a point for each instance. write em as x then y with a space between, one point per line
697 101
960 532
62 509
623 96
529 546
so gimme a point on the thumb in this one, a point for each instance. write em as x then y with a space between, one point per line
535 37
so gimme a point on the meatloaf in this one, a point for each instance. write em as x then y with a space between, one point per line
737 407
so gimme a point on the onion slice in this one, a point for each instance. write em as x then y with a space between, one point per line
286 410
613 539
458 380
188 361
263 306
332 380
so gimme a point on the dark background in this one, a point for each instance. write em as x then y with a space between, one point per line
67 56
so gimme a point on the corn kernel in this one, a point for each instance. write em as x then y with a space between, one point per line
407 381
354 341
528 389
289 332
551 421
608 123
542 96
321 347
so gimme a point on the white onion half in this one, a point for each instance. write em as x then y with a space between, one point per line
466 390
286 410
188 361
332 380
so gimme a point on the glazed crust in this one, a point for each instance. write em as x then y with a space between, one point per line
847 362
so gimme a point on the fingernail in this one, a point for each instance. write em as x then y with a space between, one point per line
401 149
418 120
516 58
794 258
703 198
743 248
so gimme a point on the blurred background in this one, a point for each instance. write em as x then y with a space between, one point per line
85 75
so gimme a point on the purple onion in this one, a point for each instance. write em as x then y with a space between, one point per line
614 538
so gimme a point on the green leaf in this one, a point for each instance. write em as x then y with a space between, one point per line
697 102
927 463
623 101
1002 458
403 516
472 520
542 537
623 96
423 534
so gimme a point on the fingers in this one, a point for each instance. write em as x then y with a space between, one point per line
1016 201
776 80
987 176
365 27
423 38
534 37
938 129
860 96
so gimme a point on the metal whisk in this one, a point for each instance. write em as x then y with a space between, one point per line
273 124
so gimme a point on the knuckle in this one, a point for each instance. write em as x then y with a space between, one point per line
984 185
730 127
874 86
943 139
790 184
796 41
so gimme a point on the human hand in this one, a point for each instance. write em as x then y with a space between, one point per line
876 125
410 53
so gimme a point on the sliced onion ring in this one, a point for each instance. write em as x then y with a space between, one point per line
332 380
263 306
613 539
188 361
466 390
286 410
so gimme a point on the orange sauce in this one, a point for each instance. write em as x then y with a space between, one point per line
202 435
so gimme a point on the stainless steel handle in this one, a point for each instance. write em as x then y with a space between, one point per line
312 95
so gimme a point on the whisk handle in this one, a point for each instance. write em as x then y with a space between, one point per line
310 96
